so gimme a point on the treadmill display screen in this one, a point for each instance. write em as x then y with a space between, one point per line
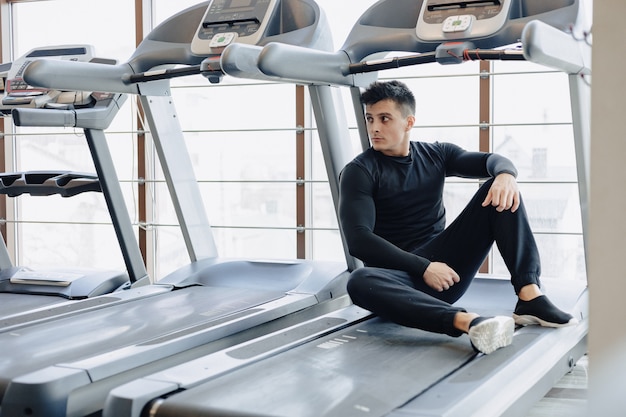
438 10
239 3
228 21
235 11
39 53
433 4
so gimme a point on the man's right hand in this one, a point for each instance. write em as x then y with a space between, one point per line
440 277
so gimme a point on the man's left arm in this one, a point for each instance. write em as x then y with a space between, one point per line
504 192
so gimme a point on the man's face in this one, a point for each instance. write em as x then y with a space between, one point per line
388 130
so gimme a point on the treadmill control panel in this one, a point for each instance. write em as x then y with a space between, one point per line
442 20
228 21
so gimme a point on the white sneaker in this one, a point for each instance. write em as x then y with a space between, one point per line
488 334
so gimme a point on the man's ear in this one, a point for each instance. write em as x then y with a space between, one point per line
410 121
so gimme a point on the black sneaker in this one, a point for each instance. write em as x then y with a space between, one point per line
488 334
541 311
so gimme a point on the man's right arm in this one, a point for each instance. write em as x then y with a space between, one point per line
357 217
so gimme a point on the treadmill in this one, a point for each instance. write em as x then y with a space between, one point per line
67 366
348 363
28 295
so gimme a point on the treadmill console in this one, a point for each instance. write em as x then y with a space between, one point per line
442 20
229 21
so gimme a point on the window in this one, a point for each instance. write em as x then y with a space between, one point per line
533 126
54 231
241 135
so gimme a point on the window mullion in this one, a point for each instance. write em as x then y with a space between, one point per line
484 135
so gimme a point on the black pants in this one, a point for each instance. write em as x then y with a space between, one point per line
463 245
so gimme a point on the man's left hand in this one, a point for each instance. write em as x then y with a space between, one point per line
503 194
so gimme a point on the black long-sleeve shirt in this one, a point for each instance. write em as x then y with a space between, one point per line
389 206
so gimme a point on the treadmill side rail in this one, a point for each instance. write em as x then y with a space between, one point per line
133 397
520 376
130 399
43 399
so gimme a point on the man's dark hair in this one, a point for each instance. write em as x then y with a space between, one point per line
396 91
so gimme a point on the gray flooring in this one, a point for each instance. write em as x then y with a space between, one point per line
568 398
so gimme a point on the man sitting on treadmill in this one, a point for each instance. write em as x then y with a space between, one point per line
392 215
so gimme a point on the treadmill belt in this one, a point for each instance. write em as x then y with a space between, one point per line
143 321
342 374
53 308
11 304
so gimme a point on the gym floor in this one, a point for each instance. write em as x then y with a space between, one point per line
568 398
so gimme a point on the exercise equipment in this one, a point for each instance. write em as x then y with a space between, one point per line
28 295
365 366
67 365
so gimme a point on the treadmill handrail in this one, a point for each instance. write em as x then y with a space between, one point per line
430 57
240 60
318 67
98 117
296 63
44 117
163 74
80 76
546 45
237 60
